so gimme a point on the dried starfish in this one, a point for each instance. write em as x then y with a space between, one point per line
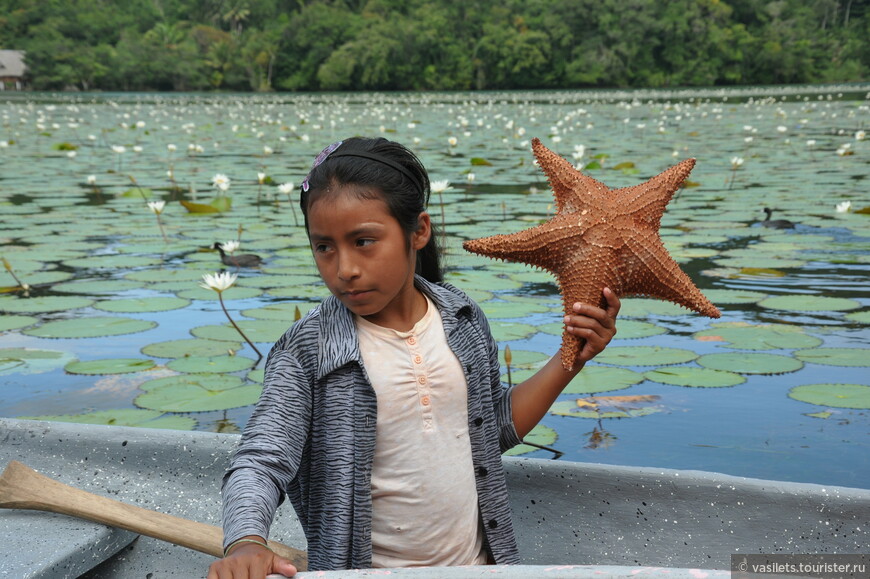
601 237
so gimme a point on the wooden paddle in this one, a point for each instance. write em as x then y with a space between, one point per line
21 487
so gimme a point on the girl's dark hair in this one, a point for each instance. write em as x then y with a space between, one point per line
390 171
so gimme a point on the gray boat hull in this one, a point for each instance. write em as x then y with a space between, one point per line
572 519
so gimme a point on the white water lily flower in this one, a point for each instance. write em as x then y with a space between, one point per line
261 178
439 186
219 281
120 149
221 181
156 206
71 154
452 141
844 207
470 177
172 148
92 179
811 143
230 246
736 161
286 188
267 150
860 135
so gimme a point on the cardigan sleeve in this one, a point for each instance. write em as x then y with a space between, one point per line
270 450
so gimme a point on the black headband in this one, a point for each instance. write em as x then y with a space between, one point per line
383 161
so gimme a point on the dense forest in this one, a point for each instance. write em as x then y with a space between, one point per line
339 45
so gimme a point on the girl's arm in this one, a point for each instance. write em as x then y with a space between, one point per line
532 399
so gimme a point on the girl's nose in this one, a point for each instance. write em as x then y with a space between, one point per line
347 268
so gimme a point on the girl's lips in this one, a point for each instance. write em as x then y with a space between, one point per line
356 294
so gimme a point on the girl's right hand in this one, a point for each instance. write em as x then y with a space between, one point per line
250 561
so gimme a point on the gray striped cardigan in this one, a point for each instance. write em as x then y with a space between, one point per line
312 435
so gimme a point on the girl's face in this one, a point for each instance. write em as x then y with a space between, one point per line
366 259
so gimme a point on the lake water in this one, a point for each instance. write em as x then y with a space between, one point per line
115 329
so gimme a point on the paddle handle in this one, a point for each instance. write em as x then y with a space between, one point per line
23 488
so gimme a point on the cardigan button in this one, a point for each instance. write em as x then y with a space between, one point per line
481 471
493 524
478 421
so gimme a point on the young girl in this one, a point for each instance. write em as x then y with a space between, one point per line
383 417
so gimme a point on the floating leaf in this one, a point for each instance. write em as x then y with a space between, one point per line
264 331
90 327
805 303
480 162
507 331
197 393
210 364
42 304
191 347
594 379
729 296
124 417
88 287
199 207
32 361
644 307
110 366
284 311
644 355
854 357
608 407
837 395
759 337
513 309
16 322
142 305
541 434
694 377
750 363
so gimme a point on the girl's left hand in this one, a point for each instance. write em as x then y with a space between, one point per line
594 325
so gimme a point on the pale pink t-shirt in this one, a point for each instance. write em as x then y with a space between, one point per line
424 498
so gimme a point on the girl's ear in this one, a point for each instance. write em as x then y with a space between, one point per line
421 236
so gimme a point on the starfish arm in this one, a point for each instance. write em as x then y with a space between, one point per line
648 200
536 246
572 190
648 270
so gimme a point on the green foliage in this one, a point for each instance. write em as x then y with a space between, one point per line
315 45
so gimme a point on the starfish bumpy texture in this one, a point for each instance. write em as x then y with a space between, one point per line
601 237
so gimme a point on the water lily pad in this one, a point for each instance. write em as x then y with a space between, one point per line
42 304
264 331
758 337
190 347
164 275
9 322
853 357
694 377
110 366
806 303
730 296
210 364
486 280
90 287
541 434
283 311
594 379
513 309
859 317
234 293
142 305
644 307
90 327
644 356
836 395
608 407
124 417
32 360
750 363
197 393
507 331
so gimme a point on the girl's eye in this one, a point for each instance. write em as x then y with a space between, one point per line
320 248
364 242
